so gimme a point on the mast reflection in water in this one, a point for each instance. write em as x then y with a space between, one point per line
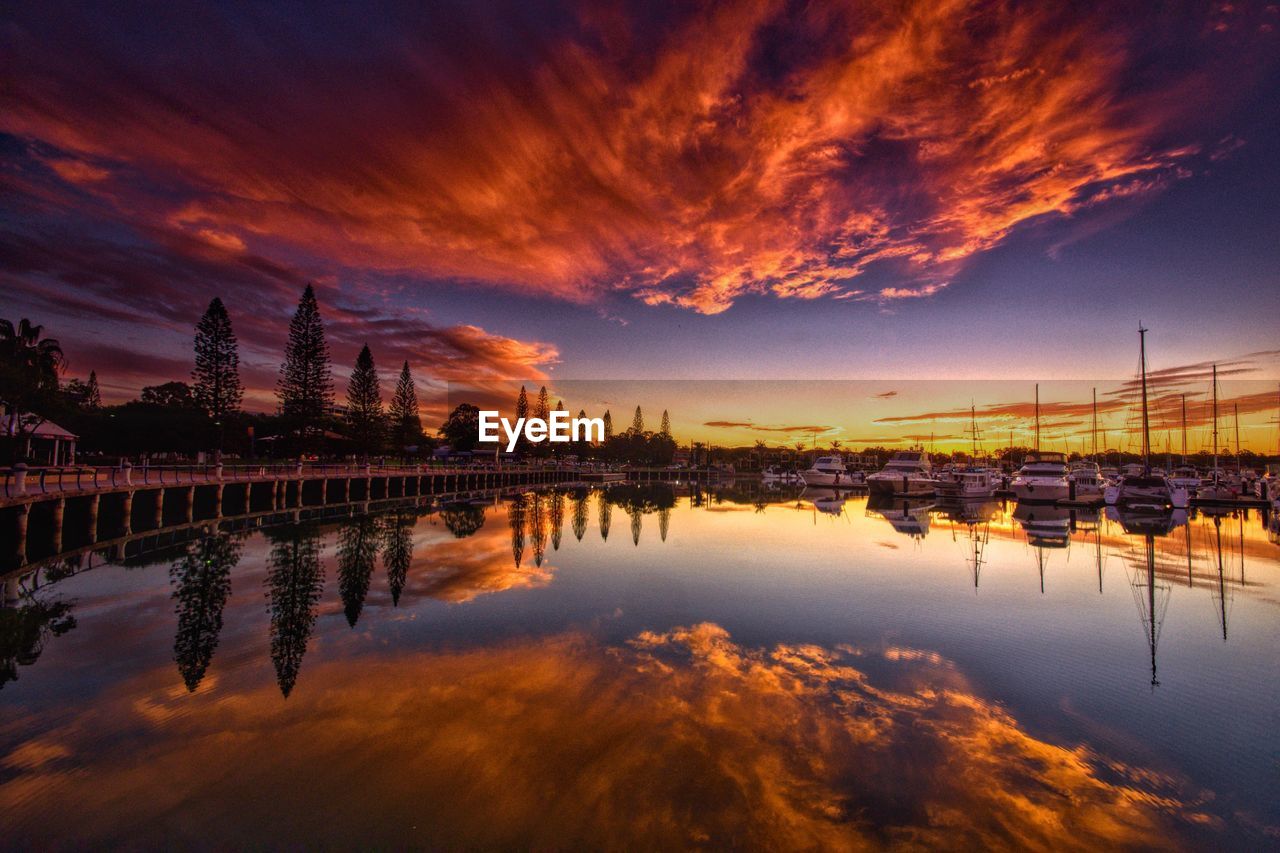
750 666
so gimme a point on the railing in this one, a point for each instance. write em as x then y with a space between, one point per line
20 481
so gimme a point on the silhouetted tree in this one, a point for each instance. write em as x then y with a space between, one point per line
201 584
462 427
29 369
305 387
397 552
357 551
522 404
365 417
170 395
637 520
216 377
664 522
608 425
405 424
665 432
84 395
637 422
294 582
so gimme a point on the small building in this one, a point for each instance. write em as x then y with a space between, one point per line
47 443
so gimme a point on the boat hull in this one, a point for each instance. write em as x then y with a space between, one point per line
1040 492
913 486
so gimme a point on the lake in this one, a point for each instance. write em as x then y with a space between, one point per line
655 666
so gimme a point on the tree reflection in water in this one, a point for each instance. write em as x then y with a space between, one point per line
557 518
515 520
24 630
397 551
580 513
462 519
358 542
201 584
294 582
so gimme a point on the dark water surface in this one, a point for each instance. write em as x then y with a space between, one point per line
656 668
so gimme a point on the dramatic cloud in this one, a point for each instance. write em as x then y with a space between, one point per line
693 739
688 159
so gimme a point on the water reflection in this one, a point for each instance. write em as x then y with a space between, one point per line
861 708
294 584
201 584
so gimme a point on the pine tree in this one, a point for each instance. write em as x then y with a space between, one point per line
666 425
364 404
305 387
403 413
522 404
92 396
216 377
543 409
637 423
608 425
560 406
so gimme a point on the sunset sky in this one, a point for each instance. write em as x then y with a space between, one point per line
555 192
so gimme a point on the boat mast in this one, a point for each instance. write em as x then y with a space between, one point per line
1215 420
1094 429
1235 407
973 425
1037 417
1146 433
1184 429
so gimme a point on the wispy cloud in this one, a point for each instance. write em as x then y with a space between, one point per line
745 148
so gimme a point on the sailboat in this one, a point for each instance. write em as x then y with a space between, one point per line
1085 480
1146 489
1185 476
1043 475
971 482
1219 485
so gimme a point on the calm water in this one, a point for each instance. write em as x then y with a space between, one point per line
645 668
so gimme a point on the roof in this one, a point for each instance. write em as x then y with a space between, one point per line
47 429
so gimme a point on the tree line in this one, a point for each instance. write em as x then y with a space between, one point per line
205 413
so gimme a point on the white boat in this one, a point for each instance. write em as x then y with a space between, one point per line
1085 482
829 471
1042 478
778 474
969 483
908 472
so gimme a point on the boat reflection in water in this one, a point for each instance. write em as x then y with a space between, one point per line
728 674
909 516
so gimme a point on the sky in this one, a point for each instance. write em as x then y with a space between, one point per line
554 192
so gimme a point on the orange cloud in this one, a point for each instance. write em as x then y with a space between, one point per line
750 148
677 738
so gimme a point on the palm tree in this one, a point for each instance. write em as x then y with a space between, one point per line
29 370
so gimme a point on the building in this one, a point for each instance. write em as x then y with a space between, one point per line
47 443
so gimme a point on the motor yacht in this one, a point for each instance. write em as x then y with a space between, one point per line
828 471
1085 483
1042 478
978 483
908 472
